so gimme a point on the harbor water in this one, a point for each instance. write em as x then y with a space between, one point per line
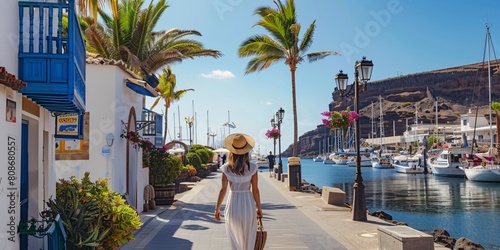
425 202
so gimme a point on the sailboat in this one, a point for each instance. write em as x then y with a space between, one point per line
488 169
381 160
319 158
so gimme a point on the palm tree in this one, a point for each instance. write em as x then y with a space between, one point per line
495 106
130 37
93 6
166 87
281 44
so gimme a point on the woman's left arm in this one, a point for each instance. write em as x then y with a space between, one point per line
256 193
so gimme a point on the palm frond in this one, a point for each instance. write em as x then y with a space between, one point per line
307 39
98 42
315 56
155 103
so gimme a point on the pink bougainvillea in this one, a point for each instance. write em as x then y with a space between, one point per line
339 119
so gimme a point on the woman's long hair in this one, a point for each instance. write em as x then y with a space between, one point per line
237 163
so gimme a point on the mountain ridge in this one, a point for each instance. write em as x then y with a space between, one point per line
456 90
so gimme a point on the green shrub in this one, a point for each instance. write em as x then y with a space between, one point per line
174 165
93 215
194 160
406 104
203 154
206 155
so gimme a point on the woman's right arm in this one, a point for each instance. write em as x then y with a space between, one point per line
222 194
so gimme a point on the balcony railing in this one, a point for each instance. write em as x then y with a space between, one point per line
152 125
52 55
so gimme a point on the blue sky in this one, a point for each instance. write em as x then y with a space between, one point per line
400 37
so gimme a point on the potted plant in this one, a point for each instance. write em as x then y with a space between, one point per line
93 216
163 170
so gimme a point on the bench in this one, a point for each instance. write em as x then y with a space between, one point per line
333 196
404 238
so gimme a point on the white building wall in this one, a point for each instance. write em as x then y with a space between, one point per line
9 134
108 103
10 158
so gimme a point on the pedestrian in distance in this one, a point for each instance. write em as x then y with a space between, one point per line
271 158
223 159
243 201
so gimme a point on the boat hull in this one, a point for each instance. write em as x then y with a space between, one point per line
408 168
483 174
328 161
318 159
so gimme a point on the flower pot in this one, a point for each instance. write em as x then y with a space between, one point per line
152 205
165 195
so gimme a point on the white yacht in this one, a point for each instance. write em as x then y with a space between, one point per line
381 162
449 162
407 165
483 168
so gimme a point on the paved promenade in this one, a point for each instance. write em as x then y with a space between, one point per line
293 220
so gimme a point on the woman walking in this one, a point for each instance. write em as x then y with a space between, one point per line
243 202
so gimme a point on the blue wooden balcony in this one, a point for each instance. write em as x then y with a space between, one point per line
52 55
152 123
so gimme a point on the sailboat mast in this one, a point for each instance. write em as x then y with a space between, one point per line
373 131
381 122
489 84
436 102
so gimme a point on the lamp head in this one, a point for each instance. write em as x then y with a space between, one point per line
281 113
364 68
341 80
110 138
273 123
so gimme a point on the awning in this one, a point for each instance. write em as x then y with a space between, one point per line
141 87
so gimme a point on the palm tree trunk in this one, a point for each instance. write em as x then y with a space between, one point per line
166 126
294 104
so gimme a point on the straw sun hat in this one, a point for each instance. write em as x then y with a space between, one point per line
239 143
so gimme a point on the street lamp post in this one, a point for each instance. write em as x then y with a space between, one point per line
213 135
279 119
189 122
362 72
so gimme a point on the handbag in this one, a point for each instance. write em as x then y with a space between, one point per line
260 240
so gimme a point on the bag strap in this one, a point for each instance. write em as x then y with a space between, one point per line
260 227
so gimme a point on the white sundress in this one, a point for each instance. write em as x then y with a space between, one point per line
240 211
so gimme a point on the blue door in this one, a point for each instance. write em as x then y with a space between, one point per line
23 243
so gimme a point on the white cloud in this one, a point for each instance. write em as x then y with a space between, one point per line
268 103
219 74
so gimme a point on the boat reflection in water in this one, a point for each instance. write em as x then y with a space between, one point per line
462 207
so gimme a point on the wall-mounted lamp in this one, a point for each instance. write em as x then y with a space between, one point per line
110 138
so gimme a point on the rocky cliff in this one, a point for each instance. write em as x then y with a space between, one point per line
410 97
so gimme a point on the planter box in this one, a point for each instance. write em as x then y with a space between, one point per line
165 195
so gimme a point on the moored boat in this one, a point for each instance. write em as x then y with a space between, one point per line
365 161
484 169
339 158
407 165
381 162
449 162
318 158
